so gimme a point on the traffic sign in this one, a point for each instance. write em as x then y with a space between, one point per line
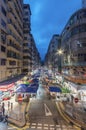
76 100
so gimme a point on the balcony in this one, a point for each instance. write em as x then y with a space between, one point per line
14 28
14 46
12 35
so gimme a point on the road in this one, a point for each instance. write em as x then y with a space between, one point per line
43 113
42 93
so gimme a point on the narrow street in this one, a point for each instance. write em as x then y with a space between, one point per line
43 116
43 113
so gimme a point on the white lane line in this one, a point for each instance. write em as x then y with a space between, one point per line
34 124
47 110
46 128
51 125
39 127
39 124
45 124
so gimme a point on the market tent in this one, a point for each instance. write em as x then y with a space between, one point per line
30 80
23 88
26 82
65 90
83 89
34 85
35 80
54 89
32 90
6 87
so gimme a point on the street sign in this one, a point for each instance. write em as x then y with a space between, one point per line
76 100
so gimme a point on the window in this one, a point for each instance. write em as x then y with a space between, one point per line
3 37
26 13
25 7
3 61
3 11
12 62
3 49
82 28
4 1
25 19
3 23
25 38
25 31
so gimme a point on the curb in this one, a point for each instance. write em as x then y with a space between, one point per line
68 119
13 123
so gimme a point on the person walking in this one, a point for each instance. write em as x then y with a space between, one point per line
11 105
6 119
8 105
3 109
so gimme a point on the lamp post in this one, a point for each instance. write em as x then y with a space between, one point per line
60 52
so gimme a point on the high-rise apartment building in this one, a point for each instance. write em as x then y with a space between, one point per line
74 44
35 57
83 3
3 39
11 38
27 39
14 37
51 59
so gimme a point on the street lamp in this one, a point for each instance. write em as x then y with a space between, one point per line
59 52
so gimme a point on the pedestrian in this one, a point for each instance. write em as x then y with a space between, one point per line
6 119
8 105
11 105
3 109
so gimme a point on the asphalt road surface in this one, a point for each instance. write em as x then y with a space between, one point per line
43 115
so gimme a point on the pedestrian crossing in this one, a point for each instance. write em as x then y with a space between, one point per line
41 126
46 126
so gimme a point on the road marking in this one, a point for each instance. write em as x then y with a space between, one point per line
45 124
47 110
39 127
51 125
39 124
33 126
46 128
33 123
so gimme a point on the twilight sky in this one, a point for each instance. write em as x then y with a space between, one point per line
49 17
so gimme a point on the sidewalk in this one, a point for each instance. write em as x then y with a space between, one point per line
16 115
74 113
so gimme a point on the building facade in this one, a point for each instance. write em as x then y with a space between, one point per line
27 39
3 39
51 59
73 43
14 37
35 56
83 3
